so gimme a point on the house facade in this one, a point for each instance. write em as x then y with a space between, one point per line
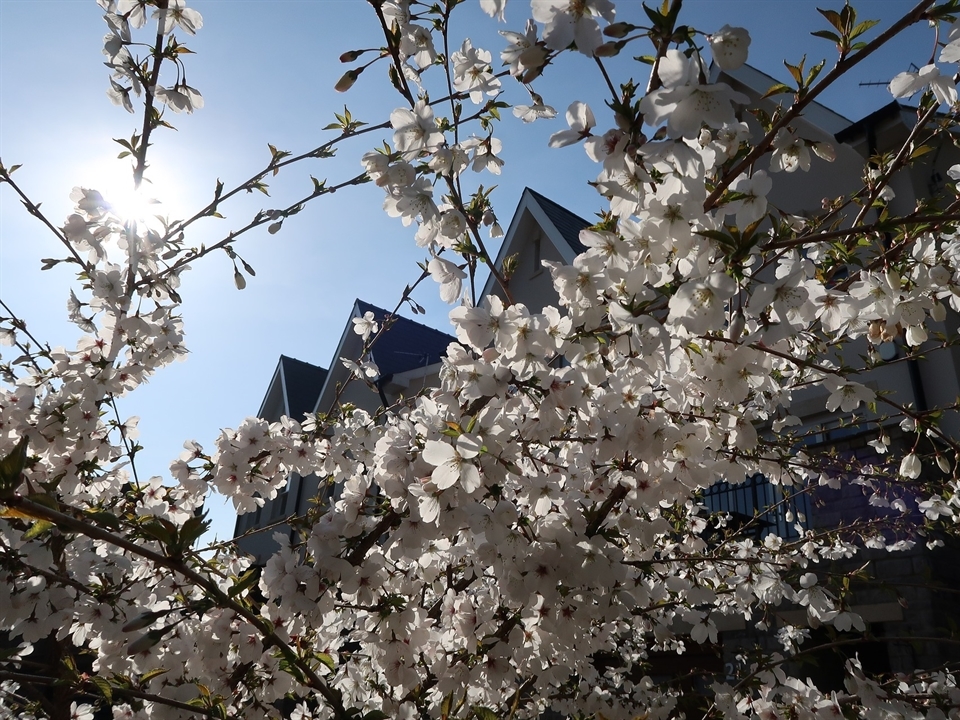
408 355
901 595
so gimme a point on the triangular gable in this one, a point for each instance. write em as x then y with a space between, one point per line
302 383
560 227
293 389
406 346
274 402
756 83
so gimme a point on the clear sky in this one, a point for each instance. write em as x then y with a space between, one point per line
266 69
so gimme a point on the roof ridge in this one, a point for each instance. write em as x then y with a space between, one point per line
298 360
554 203
377 309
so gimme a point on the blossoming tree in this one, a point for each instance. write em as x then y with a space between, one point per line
532 535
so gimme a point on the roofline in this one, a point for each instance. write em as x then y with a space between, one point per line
894 109
528 201
283 389
338 353
820 115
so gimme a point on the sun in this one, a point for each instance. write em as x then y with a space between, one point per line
143 205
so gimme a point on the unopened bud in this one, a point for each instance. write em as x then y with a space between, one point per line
618 30
351 55
348 79
608 49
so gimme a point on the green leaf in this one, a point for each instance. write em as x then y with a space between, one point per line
11 467
796 70
655 17
103 686
777 89
159 529
144 620
827 35
483 713
327 660
862 28
245 581
814 71
38 528
151 674
833 17
106 519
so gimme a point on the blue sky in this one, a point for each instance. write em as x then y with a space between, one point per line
266 70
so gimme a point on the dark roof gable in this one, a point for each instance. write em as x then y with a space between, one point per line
568 224
302 382
406 345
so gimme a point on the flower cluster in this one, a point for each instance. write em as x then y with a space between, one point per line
540 530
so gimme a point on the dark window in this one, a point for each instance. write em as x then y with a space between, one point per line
759 507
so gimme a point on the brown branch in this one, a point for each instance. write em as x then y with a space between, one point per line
263 626
840 69
34 209
150 85
356 556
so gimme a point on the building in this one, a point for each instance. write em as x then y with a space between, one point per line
407 354
916 601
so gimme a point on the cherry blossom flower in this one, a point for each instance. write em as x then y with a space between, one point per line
525 56
581 121
177 14
789 152
909 83
729 47
753 207
538 111
684 103
180 98
365 326
452 464
472 73
699 305
572 21
494 8
910 466
449 276
846 395
415 131
417 43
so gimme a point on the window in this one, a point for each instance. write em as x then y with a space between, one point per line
279 505
759 507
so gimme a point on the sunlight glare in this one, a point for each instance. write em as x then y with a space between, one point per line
114 181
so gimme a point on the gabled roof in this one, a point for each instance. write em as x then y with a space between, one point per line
567 224
302 382
560 226
406 344
759 82
293 390
890 113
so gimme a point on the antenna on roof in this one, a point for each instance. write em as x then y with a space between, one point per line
913 68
